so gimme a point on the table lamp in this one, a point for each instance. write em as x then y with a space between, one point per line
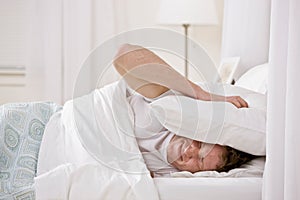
187 13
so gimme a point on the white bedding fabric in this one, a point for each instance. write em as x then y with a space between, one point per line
97 157
209 188
255 79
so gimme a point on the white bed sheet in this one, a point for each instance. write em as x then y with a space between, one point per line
209 188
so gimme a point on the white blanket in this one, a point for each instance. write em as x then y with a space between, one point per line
89 151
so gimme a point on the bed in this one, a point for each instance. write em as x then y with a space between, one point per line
18 158
209 188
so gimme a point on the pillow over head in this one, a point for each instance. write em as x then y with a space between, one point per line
217 122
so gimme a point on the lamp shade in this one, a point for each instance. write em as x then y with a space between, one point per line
196 12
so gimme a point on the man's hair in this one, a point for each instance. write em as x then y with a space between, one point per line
234 159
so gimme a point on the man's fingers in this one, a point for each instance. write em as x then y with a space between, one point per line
237 101
244 103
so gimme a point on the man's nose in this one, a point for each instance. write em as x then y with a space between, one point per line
190 152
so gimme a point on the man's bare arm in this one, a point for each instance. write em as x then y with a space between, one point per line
151 76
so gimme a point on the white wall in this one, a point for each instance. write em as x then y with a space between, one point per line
19 46
210 37
53 54
109 18
246 32
142 13
31 36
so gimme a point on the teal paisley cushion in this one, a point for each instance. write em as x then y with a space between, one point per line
21 131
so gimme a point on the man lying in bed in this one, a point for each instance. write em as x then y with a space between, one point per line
164 152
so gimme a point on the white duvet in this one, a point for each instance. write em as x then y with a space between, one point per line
89 151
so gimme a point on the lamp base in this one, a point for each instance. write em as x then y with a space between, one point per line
186 26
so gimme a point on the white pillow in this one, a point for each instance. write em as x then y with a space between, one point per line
217 122
255 79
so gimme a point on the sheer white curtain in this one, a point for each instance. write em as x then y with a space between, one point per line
282 174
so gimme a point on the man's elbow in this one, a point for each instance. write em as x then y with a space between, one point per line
123 49
118 61
127 48
125 58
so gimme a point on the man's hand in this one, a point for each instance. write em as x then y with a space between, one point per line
238 101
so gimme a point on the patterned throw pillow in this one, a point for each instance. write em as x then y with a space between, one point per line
21 131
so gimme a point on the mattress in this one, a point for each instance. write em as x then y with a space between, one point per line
209 188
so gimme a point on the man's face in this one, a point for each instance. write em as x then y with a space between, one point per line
190 155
